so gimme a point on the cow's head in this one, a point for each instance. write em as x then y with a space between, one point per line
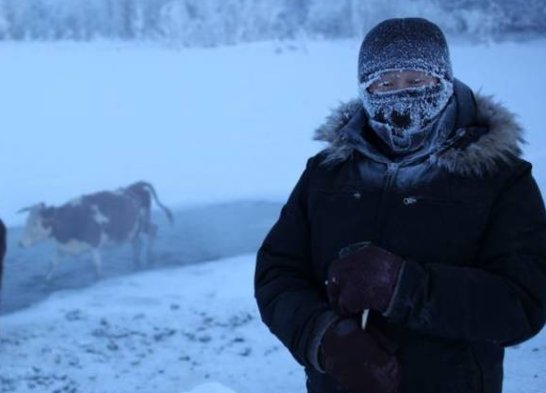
37 227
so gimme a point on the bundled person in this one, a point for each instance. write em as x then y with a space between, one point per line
412 250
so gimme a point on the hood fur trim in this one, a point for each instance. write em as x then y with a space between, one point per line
500 144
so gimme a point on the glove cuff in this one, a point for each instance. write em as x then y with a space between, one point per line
322 324
395 291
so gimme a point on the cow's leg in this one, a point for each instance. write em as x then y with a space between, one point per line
97 261
137 251
53 263
152 232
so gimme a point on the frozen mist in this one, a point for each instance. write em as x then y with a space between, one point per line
198 234
223 135
202 125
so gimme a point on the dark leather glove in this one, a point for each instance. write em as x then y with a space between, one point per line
363 279
357 361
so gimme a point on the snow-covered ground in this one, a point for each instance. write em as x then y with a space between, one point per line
170 331
203 125
164 331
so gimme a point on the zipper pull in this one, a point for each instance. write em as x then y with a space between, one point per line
410 201
392 166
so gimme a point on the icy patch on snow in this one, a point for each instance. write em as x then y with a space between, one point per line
211 388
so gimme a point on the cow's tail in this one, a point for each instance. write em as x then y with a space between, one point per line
152 191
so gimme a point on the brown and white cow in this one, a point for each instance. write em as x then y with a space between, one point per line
90 222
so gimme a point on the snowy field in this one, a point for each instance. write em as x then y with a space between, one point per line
171 331
209 128
163 331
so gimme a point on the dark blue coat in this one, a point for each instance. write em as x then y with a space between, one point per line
470 222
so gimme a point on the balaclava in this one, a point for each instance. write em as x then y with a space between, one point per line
402 118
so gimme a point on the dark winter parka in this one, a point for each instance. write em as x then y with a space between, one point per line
470 222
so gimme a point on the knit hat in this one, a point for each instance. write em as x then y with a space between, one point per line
404 44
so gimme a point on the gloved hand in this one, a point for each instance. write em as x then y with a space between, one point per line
357 361
363 279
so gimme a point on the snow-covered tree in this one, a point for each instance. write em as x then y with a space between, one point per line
218 22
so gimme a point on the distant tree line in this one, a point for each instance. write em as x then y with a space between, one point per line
220 22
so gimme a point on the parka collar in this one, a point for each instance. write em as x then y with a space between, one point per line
485 134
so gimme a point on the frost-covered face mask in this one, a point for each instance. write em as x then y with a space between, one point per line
401 117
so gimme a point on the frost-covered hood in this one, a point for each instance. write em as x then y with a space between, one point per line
486 133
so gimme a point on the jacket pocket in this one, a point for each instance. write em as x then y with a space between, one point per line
438 228
438 366
339 218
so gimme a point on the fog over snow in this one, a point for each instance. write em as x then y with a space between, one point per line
204 126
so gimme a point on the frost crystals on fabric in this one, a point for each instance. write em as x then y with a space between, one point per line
400 118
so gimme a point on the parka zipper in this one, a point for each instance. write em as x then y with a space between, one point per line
413 200
392 170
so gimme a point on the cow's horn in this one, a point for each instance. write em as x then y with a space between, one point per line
28 208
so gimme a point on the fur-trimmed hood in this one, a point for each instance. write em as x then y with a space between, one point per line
487 133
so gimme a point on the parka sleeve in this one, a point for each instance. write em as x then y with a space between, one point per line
290 301
501 300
